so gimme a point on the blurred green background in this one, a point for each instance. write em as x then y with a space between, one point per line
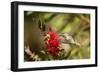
75 24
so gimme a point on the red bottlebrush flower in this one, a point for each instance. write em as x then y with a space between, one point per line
52 43
53 51
53 35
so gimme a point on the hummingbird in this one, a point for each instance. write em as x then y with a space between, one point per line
68 39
